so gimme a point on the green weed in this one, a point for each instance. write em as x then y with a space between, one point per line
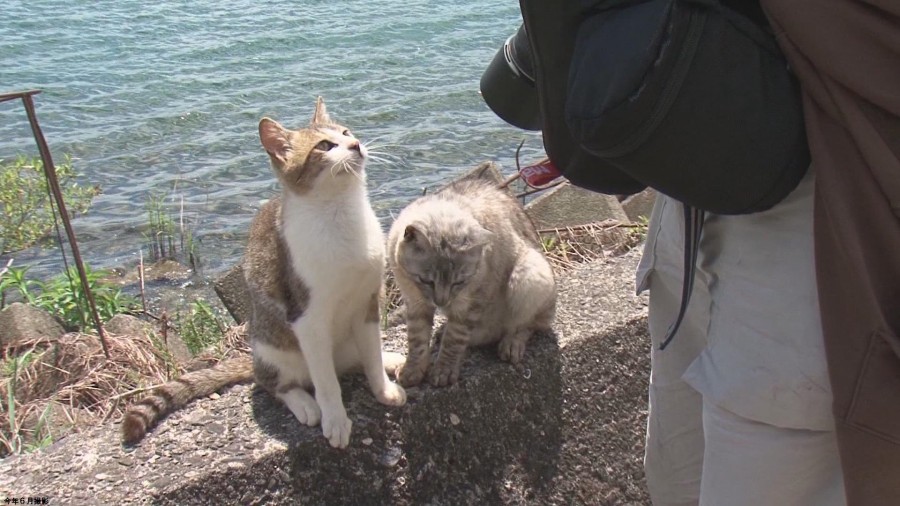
168 234
64 296
201 327
25 200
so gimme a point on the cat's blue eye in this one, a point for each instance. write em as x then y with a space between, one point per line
347 133
325 145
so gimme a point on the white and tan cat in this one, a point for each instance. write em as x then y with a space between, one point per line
313 265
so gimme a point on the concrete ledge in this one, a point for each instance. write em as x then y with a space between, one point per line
232 291
565 428
640 205
570 206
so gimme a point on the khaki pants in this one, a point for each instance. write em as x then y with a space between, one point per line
750 344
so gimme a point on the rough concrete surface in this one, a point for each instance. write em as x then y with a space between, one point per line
565 427
570 206
640 205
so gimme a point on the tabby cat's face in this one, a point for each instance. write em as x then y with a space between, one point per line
443 265
320 156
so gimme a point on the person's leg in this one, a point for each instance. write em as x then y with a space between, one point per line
749 463
673 458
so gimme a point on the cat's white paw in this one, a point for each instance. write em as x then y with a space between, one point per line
303 406
392 395
511 350
392 362
309 415
336 429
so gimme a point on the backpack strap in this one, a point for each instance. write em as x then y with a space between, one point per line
693 229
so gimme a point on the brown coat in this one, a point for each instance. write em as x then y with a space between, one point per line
846 54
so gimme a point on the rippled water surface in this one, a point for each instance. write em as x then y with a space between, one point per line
164 97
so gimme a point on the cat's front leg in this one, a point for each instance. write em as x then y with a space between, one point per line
318 350
368 341
419 326
454 342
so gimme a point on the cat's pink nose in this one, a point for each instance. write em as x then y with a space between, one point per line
354 145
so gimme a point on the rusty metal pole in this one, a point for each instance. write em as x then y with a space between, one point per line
50 173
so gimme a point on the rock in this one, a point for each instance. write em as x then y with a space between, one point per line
127 325
486 170
167 270
570 206
20 323
163 271
640 205
232 291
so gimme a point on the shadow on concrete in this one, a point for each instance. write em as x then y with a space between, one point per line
565 428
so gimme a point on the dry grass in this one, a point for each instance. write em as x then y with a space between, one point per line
73 379
567 247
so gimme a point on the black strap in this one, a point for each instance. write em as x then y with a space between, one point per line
693 228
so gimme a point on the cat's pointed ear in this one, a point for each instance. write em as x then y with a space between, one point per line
275 139
321 115
411 234
414 235
480 237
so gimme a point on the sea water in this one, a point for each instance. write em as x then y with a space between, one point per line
161 100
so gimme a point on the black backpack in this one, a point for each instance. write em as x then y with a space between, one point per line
690 97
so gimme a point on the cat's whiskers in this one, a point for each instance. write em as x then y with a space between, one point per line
466 298
384 157
416 304
378 138
345 164
380 147
340 163
352 170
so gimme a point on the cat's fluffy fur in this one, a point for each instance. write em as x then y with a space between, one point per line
472 252
313 265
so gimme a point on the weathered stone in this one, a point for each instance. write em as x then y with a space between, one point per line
640 205
486 170
232 291
20 323
127 325
570 206
165 270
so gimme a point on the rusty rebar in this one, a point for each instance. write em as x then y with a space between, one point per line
53 182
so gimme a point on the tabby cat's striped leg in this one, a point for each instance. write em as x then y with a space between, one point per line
453 346
419 326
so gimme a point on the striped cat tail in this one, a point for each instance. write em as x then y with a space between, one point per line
164 399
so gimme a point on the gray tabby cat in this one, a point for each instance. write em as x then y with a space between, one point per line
313 265
472 252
